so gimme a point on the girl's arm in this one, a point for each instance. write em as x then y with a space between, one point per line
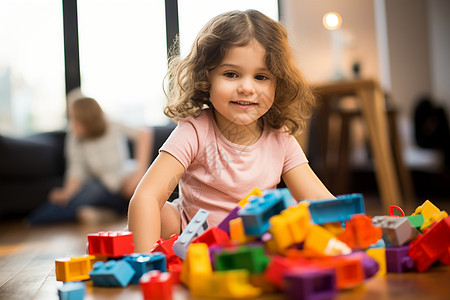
144 214
304 184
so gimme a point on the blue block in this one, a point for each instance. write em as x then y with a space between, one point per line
144 262
74 290
257 212
112 273
196 227
336 210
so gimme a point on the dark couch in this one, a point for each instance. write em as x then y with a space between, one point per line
31 166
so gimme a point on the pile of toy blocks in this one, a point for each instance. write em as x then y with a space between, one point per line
269 243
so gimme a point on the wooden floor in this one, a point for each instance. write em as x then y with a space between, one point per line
27 269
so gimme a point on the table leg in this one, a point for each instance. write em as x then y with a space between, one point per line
374 111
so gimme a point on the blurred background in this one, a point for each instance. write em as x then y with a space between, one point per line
116 51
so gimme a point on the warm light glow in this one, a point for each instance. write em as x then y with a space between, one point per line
332 20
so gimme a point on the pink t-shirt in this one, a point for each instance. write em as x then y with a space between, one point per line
220 173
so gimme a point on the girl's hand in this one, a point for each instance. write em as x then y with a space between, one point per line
59 197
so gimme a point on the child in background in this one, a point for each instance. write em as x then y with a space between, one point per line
100 177
238 99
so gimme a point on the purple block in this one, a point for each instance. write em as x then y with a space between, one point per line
224 225
398 260
370 265
310 284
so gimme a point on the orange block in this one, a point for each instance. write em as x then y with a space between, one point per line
360 233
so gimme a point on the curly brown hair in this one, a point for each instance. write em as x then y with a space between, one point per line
188 77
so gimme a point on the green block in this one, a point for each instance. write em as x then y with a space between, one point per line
416 221
251 258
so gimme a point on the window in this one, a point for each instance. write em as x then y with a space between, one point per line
194 14
32 94
123 58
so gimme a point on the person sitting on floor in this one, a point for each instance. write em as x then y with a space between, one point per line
100 177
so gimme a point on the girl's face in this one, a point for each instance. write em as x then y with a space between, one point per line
242 88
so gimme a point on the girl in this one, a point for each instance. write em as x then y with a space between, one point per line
100 177
238 99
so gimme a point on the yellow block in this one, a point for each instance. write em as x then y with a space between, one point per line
289 228
74 268
237 232
379 254
430 212
322 241
254 192
225 284
197 263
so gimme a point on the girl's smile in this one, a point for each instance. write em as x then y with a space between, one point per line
242 88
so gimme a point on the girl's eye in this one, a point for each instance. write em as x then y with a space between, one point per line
230 75
261 77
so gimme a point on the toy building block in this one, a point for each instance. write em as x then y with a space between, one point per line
289 228
230 284
398 260
213 236
445 258
237 232
111 244
310 284
175 272
360 233
430 246
251 258
197 263
430 212
279 265
196 227
72 291
156 285
416 221
74 268
379 244
114 273
166 247
260 281
257 212
225 223
322 241
335 228
369 264
255 192
144 262
349 269
396 231
336 210
378 254
392 209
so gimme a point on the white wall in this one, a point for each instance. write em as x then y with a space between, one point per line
407 32
311 40
439 41
416 59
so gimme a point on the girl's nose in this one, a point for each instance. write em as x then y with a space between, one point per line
246 87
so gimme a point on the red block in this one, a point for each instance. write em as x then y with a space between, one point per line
156 285
175 271
166 247
213 236
279 265
432 245
111 243
360 233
